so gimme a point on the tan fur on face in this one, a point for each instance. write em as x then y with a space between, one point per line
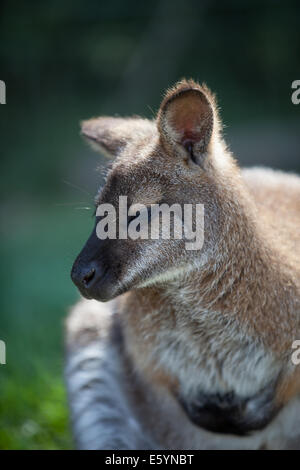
224 318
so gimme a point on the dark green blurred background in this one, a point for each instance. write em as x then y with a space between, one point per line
66 61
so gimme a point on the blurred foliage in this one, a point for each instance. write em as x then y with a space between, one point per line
63 62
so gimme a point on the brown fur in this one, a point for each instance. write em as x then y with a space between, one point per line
183 313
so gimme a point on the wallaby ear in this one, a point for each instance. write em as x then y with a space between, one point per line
105 134
109 135
186 120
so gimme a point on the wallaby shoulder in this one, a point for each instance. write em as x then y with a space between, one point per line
277 197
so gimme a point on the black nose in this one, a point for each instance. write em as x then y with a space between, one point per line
88 277
85 276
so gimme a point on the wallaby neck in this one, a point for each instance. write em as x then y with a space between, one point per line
244 278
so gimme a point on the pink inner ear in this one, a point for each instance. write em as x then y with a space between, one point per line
189 137
187 122
190 115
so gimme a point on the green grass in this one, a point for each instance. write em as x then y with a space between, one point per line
34 413
37 250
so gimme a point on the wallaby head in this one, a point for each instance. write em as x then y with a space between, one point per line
175 159
234 299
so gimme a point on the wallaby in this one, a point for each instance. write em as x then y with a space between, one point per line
192 348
